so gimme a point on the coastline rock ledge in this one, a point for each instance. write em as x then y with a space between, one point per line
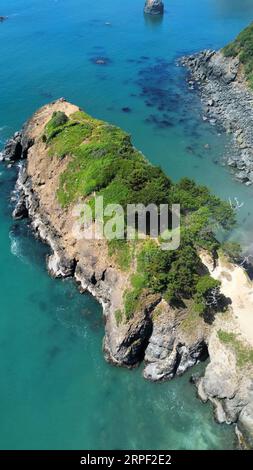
154 7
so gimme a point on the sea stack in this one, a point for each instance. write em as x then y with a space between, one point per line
154 7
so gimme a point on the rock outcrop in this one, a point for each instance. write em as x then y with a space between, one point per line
168 340
228 102
229 388
228 379
154 7
176 344
3 18
16 148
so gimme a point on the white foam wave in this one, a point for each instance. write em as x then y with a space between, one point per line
16 249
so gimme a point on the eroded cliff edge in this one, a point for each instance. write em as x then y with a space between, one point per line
170 336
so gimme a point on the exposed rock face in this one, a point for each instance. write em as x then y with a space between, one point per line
16 148
173 348
228 378
229 388
154 7
3 18
123 345
245 424
227 101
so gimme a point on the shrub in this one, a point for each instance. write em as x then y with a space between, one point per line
155 265
58 119
121 251
183 275
207 294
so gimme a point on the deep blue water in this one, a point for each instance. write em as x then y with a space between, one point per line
56 390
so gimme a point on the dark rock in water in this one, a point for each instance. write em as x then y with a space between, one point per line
3 18
154 7
100 60
194 379
13 148
16 148
159 123
126 110
59 266
20 211
190 149
46 94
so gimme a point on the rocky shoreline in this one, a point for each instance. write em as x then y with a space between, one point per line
228 102
169 341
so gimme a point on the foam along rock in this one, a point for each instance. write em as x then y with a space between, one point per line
154 7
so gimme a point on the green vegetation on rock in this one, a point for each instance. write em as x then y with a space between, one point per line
243 48
103 162
232 251
244 353
204 297
122 251
118 316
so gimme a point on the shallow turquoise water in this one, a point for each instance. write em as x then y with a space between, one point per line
56 390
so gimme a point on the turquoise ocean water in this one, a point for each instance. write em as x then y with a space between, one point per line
56 390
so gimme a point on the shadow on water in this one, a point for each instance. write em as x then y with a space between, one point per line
153 21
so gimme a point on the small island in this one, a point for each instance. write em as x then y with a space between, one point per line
154 7
168 309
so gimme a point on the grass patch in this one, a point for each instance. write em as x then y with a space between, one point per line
131 302
68 139
122 252
244 354
191 321
118 316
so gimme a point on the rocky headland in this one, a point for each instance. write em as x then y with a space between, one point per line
223 79
154 7
168 309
